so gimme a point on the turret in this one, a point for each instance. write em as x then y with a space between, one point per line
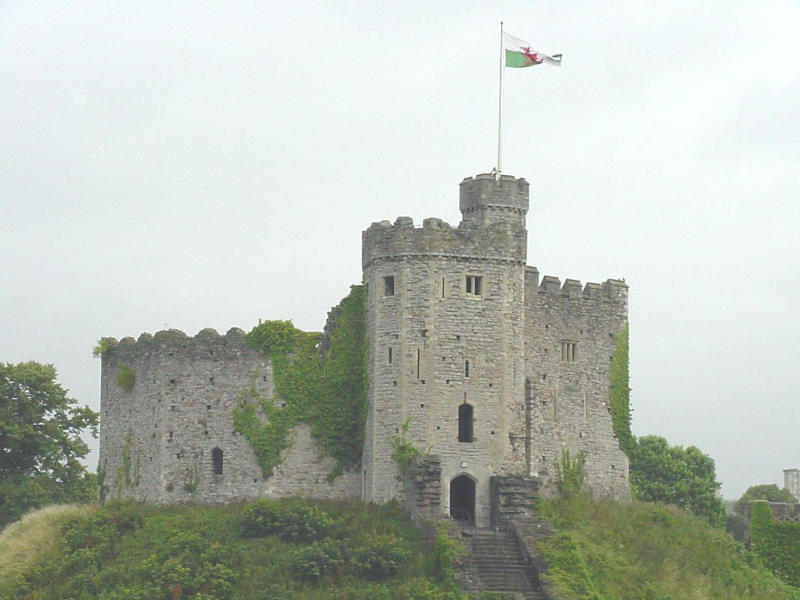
486 201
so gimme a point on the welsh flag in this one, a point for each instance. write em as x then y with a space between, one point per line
519 54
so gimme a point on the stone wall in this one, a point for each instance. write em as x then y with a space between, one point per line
567 390
156 439
436 343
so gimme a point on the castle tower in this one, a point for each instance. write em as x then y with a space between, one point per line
791 481
445 336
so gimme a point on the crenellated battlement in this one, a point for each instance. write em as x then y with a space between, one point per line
383 240
612 290
486 200
458 332
205 342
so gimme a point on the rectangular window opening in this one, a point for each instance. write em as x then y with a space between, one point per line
417 363
390 356
388 285
474 285
569 351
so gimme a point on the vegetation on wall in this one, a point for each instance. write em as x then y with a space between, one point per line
570 472
125 378
403 451
102 346
619 393
776 543
323 387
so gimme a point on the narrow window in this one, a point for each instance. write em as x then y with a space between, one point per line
465 423
388 285
466 368
569 351
417 363
390 356
474 285
442 287
216 459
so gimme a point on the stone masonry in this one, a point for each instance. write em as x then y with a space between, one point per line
487 370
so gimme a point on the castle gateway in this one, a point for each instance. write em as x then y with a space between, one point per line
492 374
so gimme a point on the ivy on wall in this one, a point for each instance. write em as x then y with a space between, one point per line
125 378
323 387
776 543
619 394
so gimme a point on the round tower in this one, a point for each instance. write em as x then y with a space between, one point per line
445 336
486 200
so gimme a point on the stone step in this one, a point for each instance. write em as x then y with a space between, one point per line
500 565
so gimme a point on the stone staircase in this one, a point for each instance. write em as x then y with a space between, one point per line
500 565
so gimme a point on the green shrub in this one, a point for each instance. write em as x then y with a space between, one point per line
125 378
445 551
291 521
317 560
380 556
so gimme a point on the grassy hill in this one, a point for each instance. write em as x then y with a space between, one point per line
642 551
325 550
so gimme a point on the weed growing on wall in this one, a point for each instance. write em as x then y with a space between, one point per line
403 451
323 387
570 473
776 543
125 378
619 393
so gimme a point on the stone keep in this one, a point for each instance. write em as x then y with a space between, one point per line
488 371
475 361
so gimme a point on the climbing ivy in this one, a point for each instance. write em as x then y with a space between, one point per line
776 543
323 387
619 394
403 451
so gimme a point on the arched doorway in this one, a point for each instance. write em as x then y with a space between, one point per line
462 498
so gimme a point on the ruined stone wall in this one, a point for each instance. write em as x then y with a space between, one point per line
156 439
567 391
423 333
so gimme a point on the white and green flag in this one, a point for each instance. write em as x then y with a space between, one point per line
519 54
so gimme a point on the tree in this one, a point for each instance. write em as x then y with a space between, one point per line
765 491
676 475
40 444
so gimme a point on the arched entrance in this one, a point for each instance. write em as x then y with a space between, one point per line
462 498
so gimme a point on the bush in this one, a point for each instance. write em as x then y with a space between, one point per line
380 556
318 559
125 378
292 521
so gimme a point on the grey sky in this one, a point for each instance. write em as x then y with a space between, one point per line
195 164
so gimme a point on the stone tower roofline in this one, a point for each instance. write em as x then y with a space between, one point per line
205 339
485 200
492 227
613 290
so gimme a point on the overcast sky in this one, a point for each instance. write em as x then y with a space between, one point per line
197 164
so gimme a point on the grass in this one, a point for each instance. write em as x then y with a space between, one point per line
602 551
24 542
146 552
642 551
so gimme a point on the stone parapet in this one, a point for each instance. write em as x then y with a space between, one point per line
402 240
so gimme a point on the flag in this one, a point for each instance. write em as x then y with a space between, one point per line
519 54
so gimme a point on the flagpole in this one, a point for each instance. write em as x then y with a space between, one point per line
500 111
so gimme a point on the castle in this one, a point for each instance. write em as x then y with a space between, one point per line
492 373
